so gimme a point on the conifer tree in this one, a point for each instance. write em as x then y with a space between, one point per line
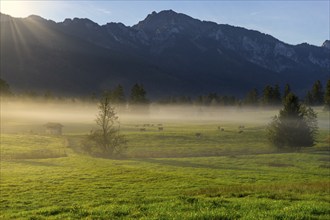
327 96
268 95
309 99
317 93
294 127
287 90
276 98
138 95
252 97
118 94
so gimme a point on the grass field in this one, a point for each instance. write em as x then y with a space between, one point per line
170 174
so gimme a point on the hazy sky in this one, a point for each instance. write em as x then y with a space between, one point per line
293 22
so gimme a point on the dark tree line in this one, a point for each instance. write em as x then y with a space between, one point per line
327 96
211 99
271 95
315 96
137 95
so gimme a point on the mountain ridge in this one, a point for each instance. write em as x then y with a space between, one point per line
170 53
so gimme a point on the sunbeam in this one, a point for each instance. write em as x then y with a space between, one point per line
15 8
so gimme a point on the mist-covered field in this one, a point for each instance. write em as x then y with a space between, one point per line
165 174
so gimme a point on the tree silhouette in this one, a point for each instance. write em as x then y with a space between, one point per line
287 90
138 95
317 93
118 95
315 96
252 97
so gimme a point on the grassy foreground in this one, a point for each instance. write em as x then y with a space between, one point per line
166 175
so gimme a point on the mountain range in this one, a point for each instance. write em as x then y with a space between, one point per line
168 52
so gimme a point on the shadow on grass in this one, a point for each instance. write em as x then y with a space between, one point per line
34 163
178 163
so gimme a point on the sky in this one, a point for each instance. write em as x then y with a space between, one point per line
294 22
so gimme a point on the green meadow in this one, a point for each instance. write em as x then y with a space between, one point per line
169 174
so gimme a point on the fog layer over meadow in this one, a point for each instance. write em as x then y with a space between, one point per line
24 116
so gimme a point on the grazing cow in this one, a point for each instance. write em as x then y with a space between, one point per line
142 129
198 135
240 131
222 129
160 129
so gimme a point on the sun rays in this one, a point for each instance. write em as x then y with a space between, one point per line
15 8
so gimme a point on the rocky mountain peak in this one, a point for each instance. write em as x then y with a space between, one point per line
326 44
166 20
35 18
80 22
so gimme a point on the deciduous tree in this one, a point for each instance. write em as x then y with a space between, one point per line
107 137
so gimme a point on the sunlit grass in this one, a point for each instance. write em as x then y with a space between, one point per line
23 146
243 186
169 174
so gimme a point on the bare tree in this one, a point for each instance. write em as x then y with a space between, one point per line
107 137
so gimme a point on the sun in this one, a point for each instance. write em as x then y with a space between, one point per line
15 8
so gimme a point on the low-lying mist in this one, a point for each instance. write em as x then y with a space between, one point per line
27 116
